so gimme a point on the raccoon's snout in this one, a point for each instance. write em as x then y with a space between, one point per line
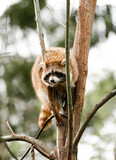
53 78
52 81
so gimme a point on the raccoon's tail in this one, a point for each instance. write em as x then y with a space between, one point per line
44 115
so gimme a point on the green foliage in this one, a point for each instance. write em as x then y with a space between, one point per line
19 91
108 21
105 13
17 72
22 14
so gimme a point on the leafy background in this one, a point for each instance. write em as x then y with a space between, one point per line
18 103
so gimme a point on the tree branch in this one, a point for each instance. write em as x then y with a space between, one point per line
38 145
39 26
90 116
33 153
9 127
49 7
52 116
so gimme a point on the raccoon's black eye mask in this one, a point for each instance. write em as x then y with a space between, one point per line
57 74
47 77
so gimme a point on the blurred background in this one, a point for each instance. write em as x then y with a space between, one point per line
19 47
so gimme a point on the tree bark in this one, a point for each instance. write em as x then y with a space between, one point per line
86 14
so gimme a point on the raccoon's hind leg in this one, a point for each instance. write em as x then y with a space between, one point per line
44 115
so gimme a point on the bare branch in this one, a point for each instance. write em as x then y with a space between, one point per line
38 145
5 55
115 151
33 153
90 116
55 16
52 116
39 26
9 127
43 44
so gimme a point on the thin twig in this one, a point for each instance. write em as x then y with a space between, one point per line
38 23
5 54
43 44
90 116
115 151
33 153
11 153
52 116
49 7
9 127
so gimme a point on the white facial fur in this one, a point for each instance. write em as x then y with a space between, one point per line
54 78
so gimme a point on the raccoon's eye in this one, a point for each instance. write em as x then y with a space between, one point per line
59 74
47 77
63 63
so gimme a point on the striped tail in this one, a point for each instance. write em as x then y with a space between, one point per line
44 115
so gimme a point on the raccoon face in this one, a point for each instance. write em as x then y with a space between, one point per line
54 73
55 77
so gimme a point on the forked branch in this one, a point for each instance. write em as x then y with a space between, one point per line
90 116
38 145
51 117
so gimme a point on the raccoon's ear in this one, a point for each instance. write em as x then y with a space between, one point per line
42 65
63 63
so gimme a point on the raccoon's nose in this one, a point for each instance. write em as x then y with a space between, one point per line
52 81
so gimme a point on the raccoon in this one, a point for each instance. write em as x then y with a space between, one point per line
52 73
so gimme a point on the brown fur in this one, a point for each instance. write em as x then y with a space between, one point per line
53 60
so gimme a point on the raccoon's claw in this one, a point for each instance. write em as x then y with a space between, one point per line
42 64
63 63
64 115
